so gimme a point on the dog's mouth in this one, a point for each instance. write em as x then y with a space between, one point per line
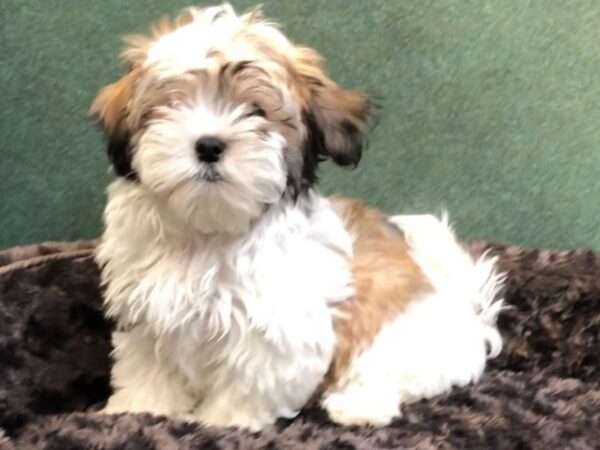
210 175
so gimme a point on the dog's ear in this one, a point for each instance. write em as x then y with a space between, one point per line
336 118
110 108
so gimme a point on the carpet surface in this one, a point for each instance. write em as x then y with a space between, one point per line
543 392
490 110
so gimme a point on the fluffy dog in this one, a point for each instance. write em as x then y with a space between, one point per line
240 293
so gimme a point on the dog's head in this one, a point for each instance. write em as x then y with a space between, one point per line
221 116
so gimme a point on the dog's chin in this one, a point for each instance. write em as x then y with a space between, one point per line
214 203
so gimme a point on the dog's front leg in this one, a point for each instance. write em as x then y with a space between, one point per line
232 407
263 380
140 381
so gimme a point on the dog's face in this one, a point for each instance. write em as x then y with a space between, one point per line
220 117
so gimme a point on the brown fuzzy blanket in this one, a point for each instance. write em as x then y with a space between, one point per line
542 392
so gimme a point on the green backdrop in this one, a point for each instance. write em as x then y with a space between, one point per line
490 110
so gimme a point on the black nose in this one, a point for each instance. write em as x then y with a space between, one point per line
209 149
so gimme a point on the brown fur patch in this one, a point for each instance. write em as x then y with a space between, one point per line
386 279
110 105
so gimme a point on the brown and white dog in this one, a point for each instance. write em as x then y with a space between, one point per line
240 292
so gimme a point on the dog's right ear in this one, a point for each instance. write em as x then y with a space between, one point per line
110 108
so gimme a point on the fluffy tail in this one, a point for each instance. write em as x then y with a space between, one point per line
451 269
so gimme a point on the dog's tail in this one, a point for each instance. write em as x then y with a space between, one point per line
454 272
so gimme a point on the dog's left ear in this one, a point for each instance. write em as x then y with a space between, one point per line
110 107
336 118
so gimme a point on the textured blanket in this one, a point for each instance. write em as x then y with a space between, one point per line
542 392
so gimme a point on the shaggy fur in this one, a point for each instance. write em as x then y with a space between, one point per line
543 391
230 277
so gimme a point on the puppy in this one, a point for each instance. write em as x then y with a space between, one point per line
241 293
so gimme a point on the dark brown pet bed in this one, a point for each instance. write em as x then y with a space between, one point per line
542 392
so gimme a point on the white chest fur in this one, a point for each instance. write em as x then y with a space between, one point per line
214 309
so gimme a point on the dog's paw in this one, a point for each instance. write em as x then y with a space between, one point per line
361 407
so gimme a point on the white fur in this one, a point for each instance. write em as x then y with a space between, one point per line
211 28
223 329
440 341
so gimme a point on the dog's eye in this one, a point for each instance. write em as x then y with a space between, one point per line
257 111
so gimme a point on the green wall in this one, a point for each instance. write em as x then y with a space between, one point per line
490 110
